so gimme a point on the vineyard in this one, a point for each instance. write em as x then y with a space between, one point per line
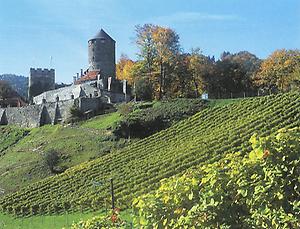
257 190
138 168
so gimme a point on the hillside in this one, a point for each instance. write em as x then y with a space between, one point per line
18 83
136 169
24 152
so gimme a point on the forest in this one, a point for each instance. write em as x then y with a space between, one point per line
164 70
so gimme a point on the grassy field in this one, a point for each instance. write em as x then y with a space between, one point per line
10 136
22 151
103 122
42 222
54 221
50 221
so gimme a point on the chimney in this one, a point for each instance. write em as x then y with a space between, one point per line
77 75
81 72
74 79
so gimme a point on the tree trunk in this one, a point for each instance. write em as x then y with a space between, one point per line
196 87
160 81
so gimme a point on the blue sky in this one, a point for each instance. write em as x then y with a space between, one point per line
31 31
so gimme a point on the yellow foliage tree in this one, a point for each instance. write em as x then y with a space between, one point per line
124 69
277 71
158 50
166 44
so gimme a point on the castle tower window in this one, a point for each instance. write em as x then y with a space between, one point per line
57 98
72 96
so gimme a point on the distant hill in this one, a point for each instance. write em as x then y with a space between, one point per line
18 83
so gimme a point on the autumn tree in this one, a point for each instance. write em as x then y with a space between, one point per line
201 68
166 43
180 85
158 49
295 78
124 68
279 71
145 44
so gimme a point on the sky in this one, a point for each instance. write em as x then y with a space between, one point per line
54 33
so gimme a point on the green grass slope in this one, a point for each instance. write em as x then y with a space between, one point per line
136 169
10 136
44 222
22 151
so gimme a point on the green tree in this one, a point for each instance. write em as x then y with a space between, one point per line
248 64
143 89
234 72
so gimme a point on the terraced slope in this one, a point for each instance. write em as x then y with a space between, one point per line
137 169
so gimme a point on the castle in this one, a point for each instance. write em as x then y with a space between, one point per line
90 92
40 80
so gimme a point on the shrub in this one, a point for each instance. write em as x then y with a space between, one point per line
51 158
144 122
125 108
143 89
110 221
76 115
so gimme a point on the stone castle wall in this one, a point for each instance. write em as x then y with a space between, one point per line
40 80
49 113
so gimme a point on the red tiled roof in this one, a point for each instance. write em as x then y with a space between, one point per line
89 76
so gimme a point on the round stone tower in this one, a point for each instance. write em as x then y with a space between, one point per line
101 53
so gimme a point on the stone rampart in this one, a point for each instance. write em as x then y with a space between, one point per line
49 113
